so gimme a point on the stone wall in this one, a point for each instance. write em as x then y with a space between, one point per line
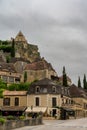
9 125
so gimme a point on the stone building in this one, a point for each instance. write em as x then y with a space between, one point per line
44 96
25 50
39 70
13 103
79 96
8 73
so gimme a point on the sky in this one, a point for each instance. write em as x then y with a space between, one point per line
58 27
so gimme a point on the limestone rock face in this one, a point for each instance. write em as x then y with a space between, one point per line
25 50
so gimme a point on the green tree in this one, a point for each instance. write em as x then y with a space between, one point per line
79 82
13 87
64 77
3 85
13 48
1 93
25 76
19 87
84 82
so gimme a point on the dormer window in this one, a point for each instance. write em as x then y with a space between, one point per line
37 89
53 89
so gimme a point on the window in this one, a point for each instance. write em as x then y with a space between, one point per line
6 102
37 101
17 80
11 79
16 101
53 89
4 78
54 102
37 89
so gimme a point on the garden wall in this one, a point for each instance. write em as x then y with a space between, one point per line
9 125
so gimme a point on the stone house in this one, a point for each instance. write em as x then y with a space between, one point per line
44 95
13 103
39 70
79 97
8 73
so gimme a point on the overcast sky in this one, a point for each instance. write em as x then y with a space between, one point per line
58 27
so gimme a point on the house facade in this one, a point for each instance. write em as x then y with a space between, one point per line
8 73
13 102
44 95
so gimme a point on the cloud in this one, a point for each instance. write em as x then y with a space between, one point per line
58 27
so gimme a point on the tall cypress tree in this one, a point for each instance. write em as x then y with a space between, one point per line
25 76
13 48
84 82
79 82
64 77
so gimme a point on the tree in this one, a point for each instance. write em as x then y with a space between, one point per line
64 77
84 82
79 82
13 48
25 76
3 85
19 87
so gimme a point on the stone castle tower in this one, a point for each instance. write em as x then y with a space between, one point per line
25 50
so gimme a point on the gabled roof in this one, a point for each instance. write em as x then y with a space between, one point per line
39 65
45 81
77 92
20 37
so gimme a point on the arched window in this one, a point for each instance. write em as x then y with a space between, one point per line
37 89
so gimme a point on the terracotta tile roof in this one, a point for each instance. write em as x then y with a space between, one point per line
7 67
39 65
14 93
77 92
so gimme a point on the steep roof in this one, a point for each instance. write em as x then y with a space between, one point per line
20 37
44 81
39 65
77 92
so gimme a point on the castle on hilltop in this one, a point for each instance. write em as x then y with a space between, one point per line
27 59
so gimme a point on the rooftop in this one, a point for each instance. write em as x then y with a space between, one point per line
39 65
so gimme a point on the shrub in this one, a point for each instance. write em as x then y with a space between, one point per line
22 117
2 120
10 117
